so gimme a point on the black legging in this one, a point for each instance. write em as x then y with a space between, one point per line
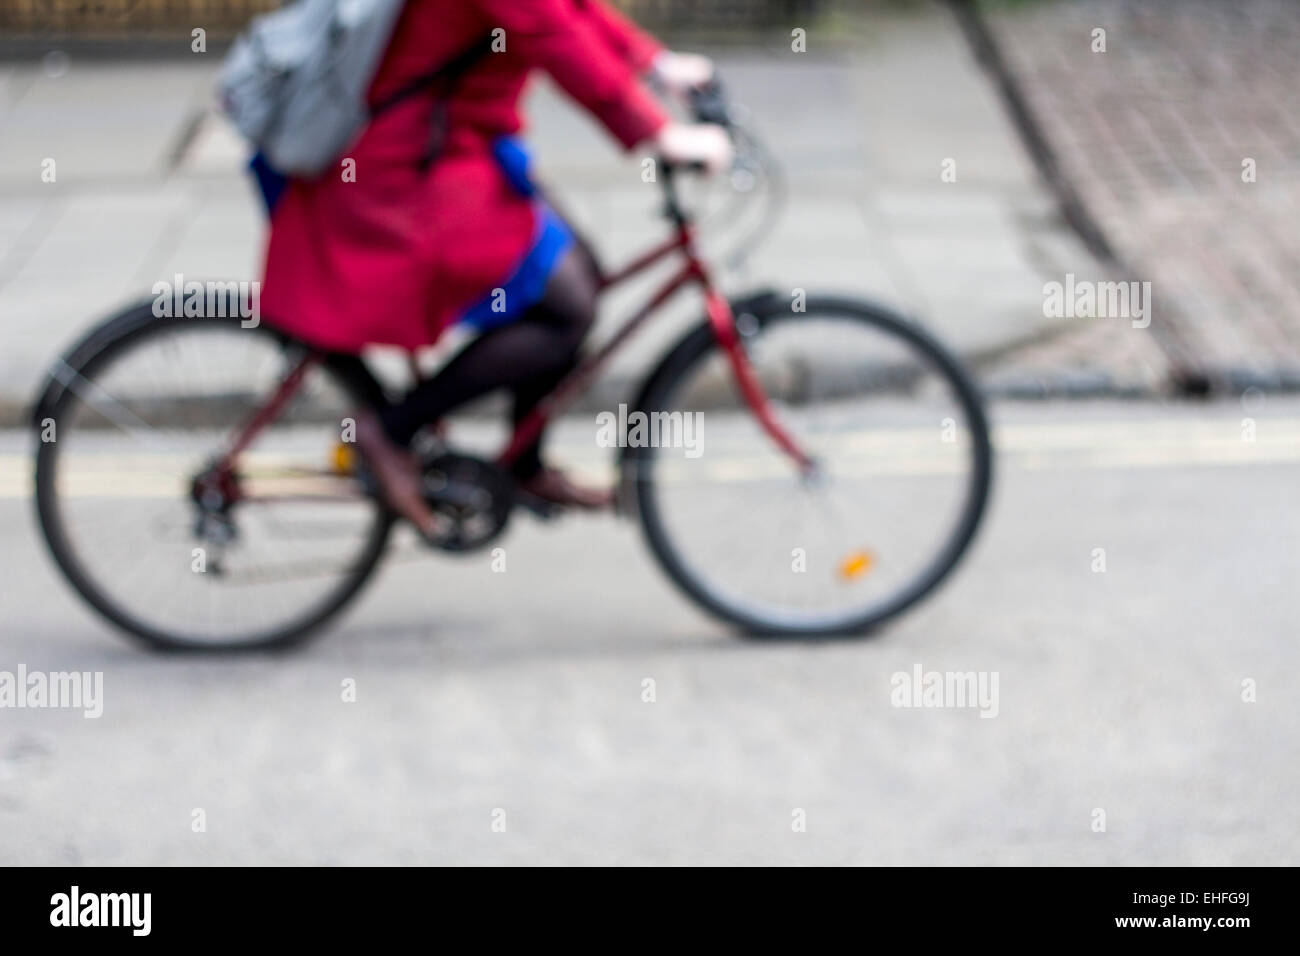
529 355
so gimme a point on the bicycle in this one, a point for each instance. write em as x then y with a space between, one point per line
846 472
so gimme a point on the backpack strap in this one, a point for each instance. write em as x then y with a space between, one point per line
445 75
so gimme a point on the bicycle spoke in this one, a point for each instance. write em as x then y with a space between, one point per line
122 511
872 528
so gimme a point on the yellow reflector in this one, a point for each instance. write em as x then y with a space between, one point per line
344 458
855 565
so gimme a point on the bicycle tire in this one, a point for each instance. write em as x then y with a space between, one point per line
98 349
638 473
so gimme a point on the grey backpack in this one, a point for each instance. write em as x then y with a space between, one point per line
295 82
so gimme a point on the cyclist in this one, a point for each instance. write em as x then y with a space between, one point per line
440 223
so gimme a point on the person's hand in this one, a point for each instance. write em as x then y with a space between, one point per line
703 143
679 73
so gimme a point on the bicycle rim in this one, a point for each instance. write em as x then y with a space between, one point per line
134 426
904 467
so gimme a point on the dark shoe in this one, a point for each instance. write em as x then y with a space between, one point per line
553 486
396 471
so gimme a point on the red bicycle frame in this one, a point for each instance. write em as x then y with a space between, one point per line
692 272
720 318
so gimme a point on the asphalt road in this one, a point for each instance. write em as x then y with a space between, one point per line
522 692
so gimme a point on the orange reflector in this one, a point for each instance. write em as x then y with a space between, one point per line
855 565
344 458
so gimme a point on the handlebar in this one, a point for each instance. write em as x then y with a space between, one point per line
752 165
709 104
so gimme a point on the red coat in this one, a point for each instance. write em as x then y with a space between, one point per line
393 257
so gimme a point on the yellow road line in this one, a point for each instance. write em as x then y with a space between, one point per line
1162 443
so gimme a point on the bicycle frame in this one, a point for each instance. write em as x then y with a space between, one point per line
692 272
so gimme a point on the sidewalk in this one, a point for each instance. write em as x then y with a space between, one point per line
1181 136
150 184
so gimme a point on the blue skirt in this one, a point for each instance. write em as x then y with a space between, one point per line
526 285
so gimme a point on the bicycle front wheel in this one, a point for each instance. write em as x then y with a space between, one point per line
900 440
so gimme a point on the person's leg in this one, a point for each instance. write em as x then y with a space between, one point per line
572 294
529 355
392 465
352 370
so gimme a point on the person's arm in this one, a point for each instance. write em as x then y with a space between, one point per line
633 45
563 39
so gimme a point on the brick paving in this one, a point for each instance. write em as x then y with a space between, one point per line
1153 132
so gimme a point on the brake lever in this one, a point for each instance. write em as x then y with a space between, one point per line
709 104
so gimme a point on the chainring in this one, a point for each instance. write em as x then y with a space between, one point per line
472 499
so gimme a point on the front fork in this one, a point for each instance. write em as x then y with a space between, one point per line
723 321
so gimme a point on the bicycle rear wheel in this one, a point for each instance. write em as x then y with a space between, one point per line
903 457
143 410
